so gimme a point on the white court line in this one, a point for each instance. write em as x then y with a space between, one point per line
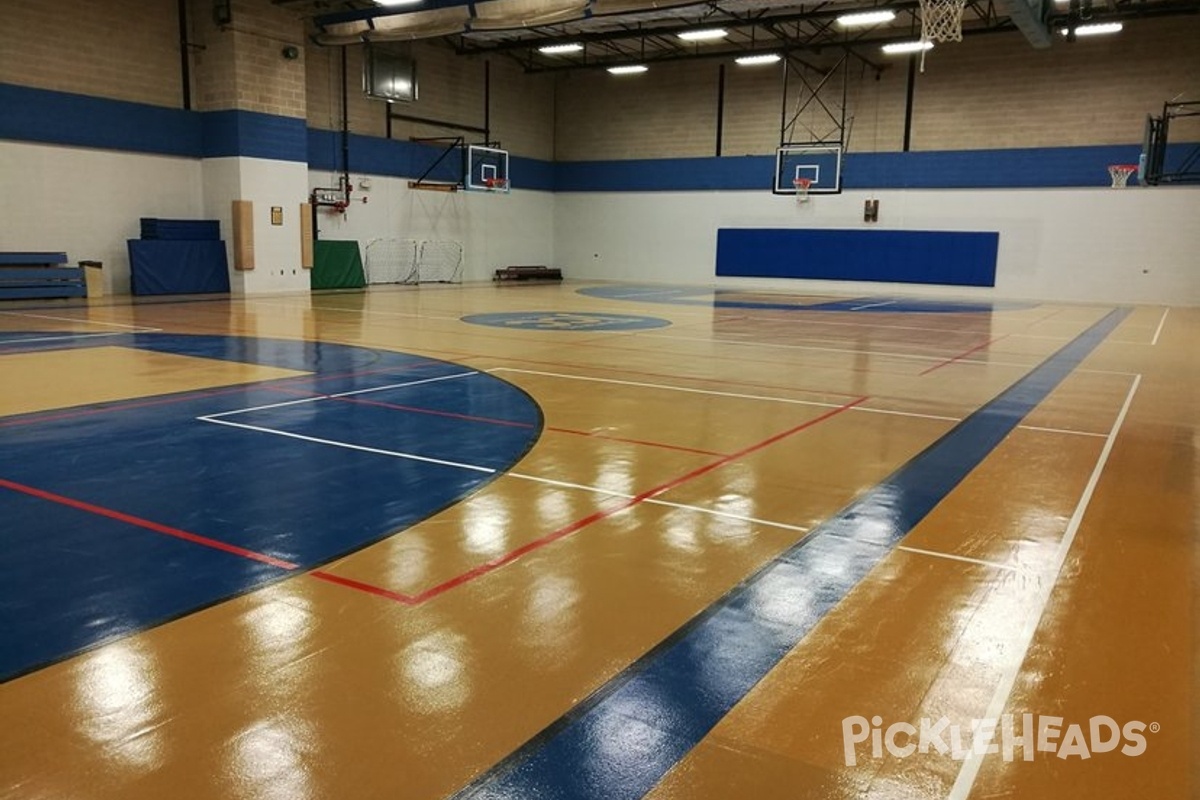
375 312
59 338
133 328
972 763
852 351
314 399
1158 330
1067 431
654 501
965 559
866 410
736 395
874 305
885 353
349 446
667 387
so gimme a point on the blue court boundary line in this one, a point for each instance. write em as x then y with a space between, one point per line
618 743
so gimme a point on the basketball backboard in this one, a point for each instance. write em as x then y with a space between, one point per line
487 169
821 165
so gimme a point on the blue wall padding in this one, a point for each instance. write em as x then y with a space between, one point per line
952 258
167 267
181 230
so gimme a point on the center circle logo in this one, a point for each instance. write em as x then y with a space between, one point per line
566 321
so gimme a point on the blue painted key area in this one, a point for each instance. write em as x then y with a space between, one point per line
305 480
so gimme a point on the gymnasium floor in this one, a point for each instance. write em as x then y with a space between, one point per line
596 542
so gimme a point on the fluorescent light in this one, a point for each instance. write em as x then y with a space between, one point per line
556 49
628 69
704 35
765 58
394 3
1094 29
907 47
866 18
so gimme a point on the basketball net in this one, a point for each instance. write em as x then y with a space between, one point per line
1120 174
941 21
802 185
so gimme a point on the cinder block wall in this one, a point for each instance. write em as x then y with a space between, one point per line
987 92
117 49
241 65
451 89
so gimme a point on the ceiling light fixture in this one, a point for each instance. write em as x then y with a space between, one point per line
394 3
866 18
765 58
705 35
906 47
1094 29
559 49
628 69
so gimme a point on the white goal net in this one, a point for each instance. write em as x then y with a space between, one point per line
439 262
391 260
413 261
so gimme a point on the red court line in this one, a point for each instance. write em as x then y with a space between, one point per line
147 524
678 447
506 422
964 354
596 516
350 583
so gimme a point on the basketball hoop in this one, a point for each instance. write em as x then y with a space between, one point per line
941 21
1120 174
802 185
496 184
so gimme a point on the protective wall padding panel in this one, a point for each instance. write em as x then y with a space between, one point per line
948 258
243 235
158 267
337 265
306 236
190 230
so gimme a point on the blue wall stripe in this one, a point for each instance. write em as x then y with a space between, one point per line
947 258
38 115
403 159
41 115
253 135
619 742
960 169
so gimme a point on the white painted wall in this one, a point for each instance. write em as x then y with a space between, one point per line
265 183
496 230
1104 245
87 203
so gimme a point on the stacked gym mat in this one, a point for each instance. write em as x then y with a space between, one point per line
178 256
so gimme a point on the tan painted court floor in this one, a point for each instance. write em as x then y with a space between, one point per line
1057 579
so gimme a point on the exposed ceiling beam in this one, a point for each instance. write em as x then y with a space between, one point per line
469 46
1028 16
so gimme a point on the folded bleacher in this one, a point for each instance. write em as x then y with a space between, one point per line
37 275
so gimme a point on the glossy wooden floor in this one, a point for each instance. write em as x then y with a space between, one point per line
1058 579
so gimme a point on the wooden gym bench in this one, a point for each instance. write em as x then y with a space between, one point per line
26 275
528 274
